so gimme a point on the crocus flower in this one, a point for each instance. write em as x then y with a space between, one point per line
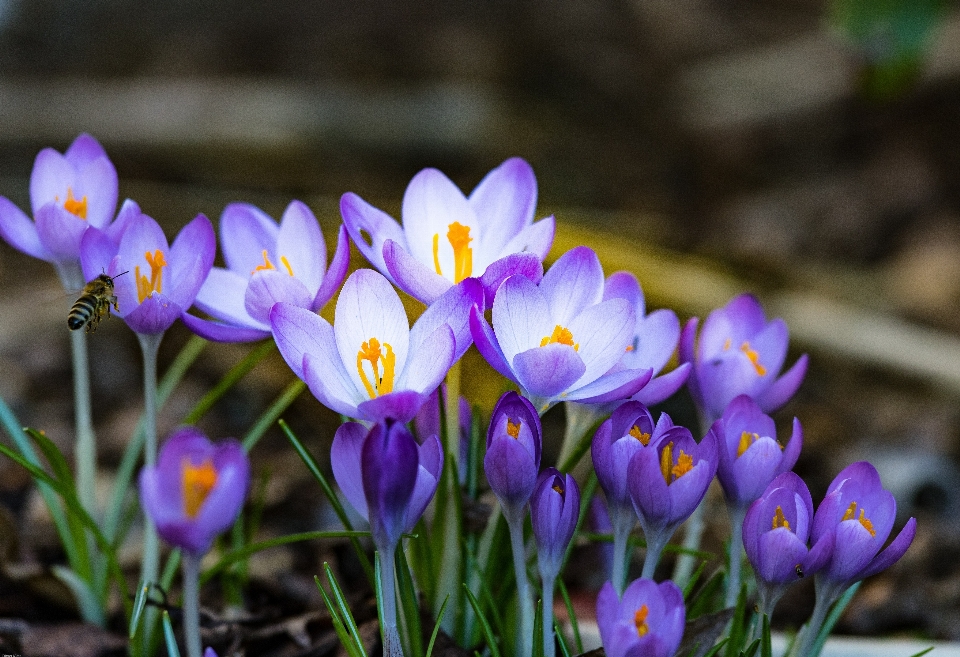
750 454
266 263
647 621
558 341
68 194
447 237
407 479
512 460
154 282
629 430
554 510
776 533
370 365
667 481
196 489
860 512
739 353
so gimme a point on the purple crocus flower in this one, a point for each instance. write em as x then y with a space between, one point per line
160 281
370 365
447 237
68 194
512 460
647 621
554 510
384 469
750 454
667 481
558 341
739 353
266 263
196 489
776 533
860 512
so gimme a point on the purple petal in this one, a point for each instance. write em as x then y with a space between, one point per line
155 315
487 344
299 331
271 286
536 239
51 176
411 275
389 464
511 472
336 273
521 264
428 475
602 332
191 257
521 317
60 232
549 370
220 332
504 203
98 182
84 150
223 295
401 406
329 383
129 211
19 231
663 387
345 459
301 242
369 228
574 282
245 232
96 253
611 387
624 285
655 339
780 392
453 309
429 362
431 204
893 552
222 506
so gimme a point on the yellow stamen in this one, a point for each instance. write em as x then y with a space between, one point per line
726 344
779 520
560 335
746 439
269 265
683 466
558 488
73 206
644 438
459 237
673 471
198 481
666 461
513 430
640 620
754 358
851 514
629 348
147 286
382 364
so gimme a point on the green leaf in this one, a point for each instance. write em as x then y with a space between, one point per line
91 607
408 604
572 614
564 648
139 603
923 652
833 617
346 640
484 625
538 638
169 637
436 628
233 375
344 608
273 412
766 648
738 635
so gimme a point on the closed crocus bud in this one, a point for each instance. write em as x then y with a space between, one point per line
750 454
209 653
196 489
554 510
647 621
860 513
667 482
512 460
739 353
776 532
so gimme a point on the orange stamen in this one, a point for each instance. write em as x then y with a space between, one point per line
147 286
779 520
513 430
382 364
640 620
73 206
754 358
643 437
459 238
851 514
560 335
198 481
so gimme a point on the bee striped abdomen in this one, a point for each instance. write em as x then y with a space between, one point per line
93 304
82 311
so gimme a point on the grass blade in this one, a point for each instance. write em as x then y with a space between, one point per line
342 605
139 603
484 625
538 637
346 640
409 608
169 637
572 614
273 412
833 617
436 629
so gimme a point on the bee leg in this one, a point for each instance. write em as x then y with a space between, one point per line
116 304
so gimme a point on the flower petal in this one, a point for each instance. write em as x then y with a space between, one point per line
268 287
245 232
549 370
520 264
431 204
487 345
411 275
60 232
191 257
780 392
574 282
19 231
298 331
453 309
336 273
429 361
521 317
222 295
536 239
360 217
402 406
663 387
51 176
301 241
220 332
504 203
345 460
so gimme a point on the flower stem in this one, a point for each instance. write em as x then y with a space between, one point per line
737 514
623 521
191 604
827 594
549 645
655 544
451 566
85 447
388 612
150 569
524 601
580 417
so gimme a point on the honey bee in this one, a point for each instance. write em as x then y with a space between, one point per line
93 304
799 570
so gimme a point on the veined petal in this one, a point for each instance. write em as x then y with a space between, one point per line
298 331
430 465
603 332
549 370
222 295
129 211
360 217
624 285
656 339
402 406
431 204
336 273
154 315
429 362
52 175
345 459
771 346
330 383
96 252
528 265
610 387
268 287
368 307
892 553
191 257
574 282
60 232
245 231
411 275
487 345
19 231
521 317
663 387
220 332
301 241
536 239
504 203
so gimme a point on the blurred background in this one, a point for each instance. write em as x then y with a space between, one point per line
805 150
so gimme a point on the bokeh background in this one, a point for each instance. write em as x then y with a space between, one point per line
805 150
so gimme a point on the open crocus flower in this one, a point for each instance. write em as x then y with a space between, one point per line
370 365
266 263
512 460
667 481
776 532
447 237
155 282
558 341
68 194
647 621
196 490
750 454
860 513
739 353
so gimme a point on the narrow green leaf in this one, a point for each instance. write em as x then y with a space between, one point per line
717 648
923 652
91 607
766 648
737 634
139 603
578 643
344 608
833 617
697 574
408 604
564 648
751 650
228 380
484 625
169 637
538 638
436 628
346 640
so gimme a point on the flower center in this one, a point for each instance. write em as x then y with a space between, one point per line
147 286
269 265
382 367
459 237
674 470
779 520
746 439
558 488
851 514
513 430
560 335
198 481
643 437
75 207
640 620
750 353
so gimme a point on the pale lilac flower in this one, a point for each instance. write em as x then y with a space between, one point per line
558 341
266 263
447 237
648 621
370 365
